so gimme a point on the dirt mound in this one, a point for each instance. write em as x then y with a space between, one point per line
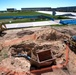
16 64
24 32
70 32
50 35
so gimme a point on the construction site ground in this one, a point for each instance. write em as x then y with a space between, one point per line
35 38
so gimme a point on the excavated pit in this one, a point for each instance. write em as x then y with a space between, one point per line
35 51
21 48
47 39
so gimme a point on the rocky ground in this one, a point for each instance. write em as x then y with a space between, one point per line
31 40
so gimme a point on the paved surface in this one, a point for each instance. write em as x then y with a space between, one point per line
28 24
60 13
57 13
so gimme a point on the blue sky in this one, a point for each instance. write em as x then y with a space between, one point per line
18 4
